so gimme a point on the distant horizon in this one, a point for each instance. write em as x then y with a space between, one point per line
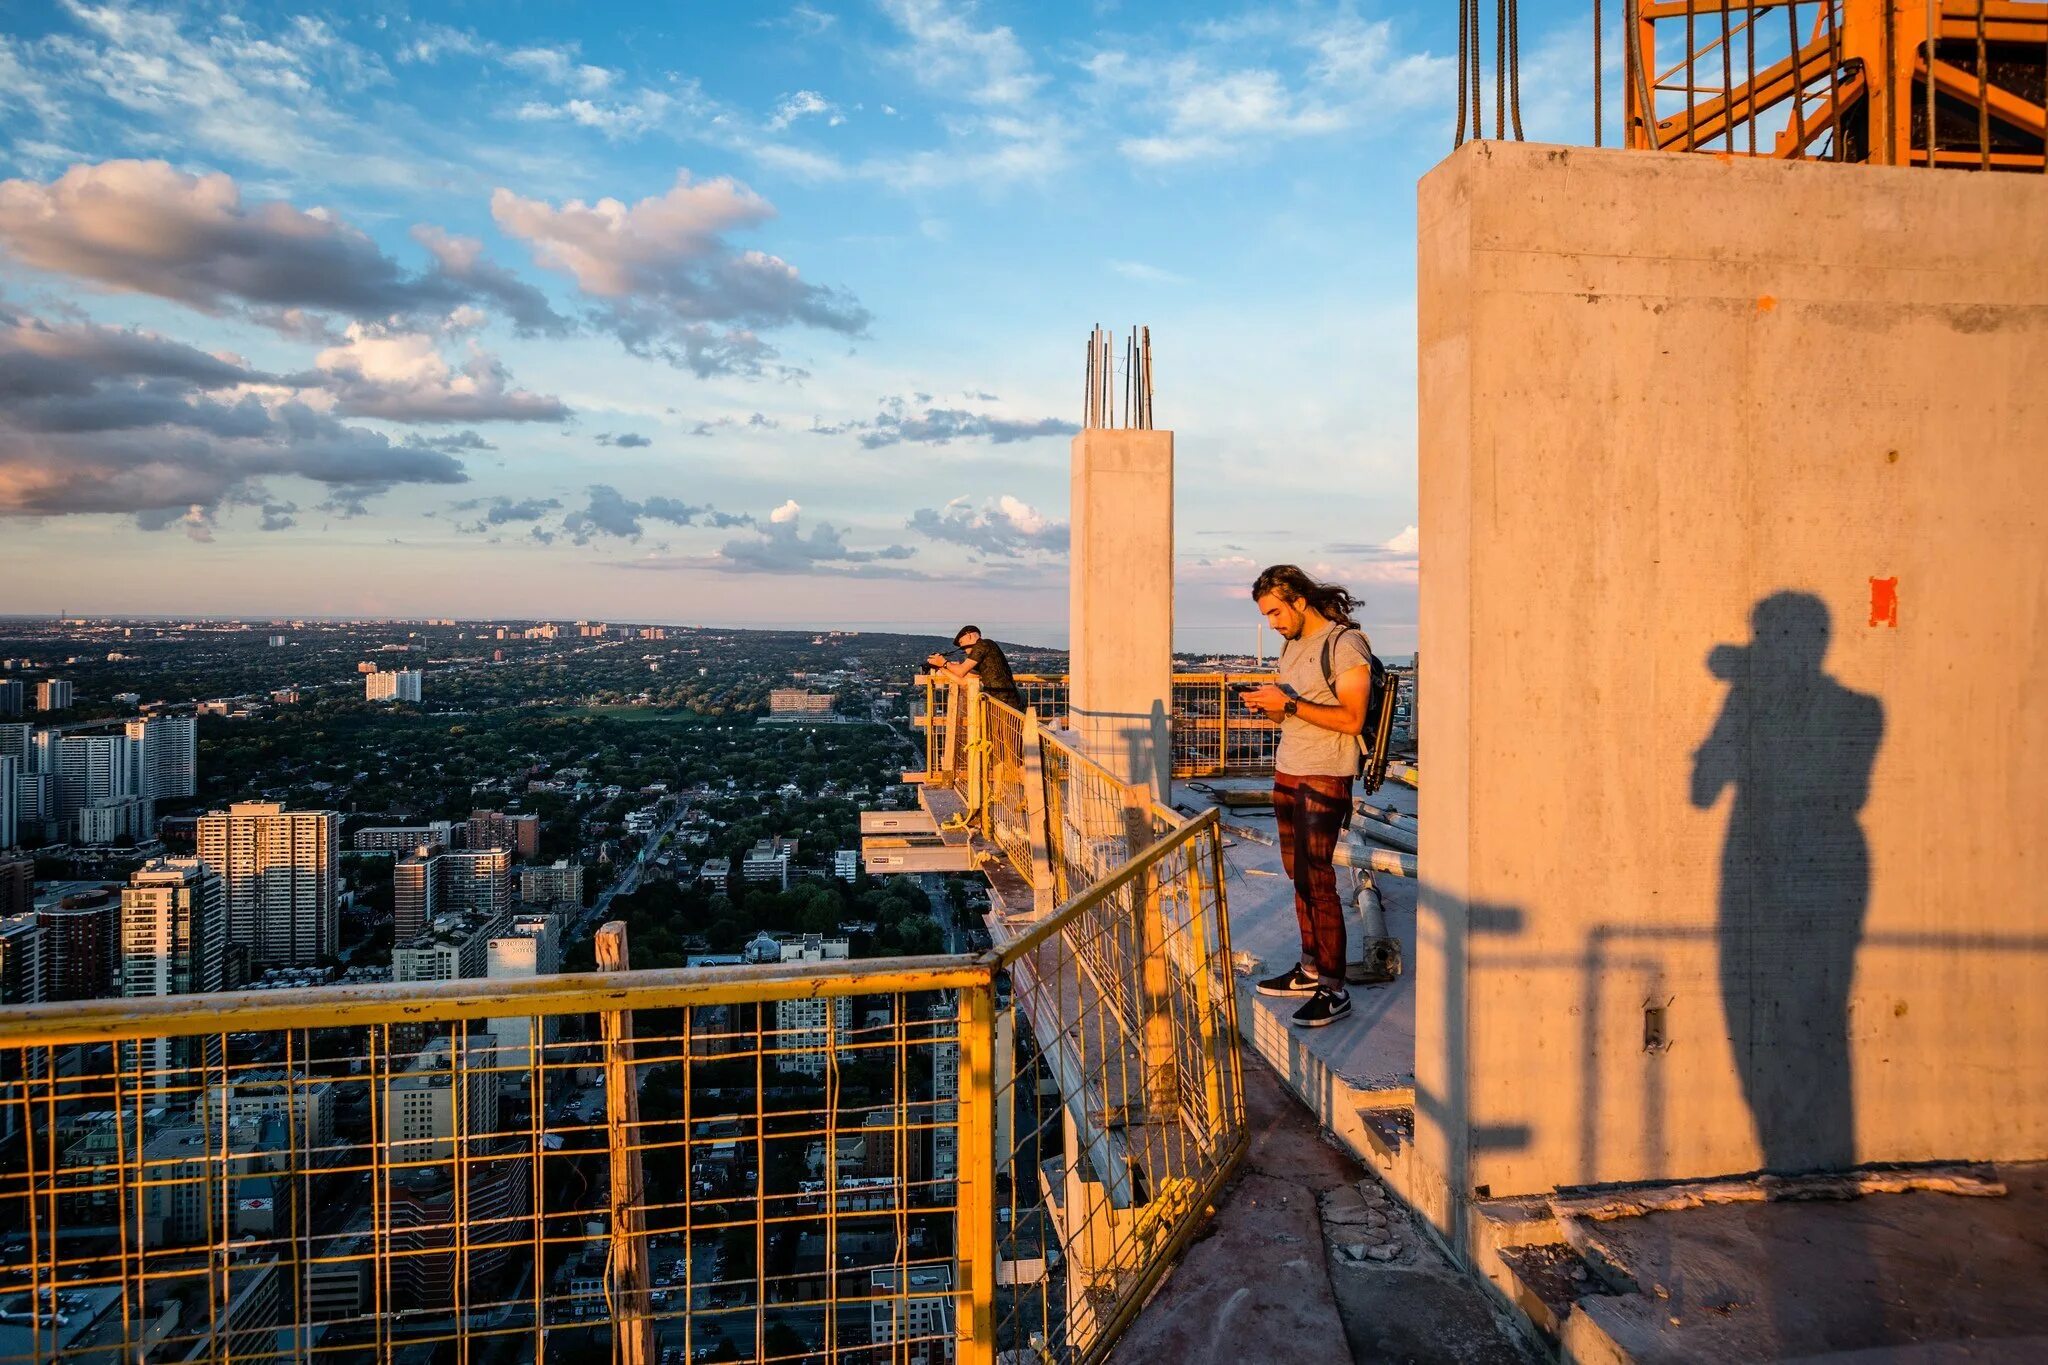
1266 640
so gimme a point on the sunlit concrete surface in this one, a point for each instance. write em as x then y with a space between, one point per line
1735 600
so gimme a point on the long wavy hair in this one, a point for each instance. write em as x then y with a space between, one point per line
1332 601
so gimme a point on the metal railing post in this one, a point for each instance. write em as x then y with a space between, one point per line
1035 806
627 1270
975 791
1162 1082
974 1325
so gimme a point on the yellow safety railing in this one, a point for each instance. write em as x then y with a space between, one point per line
1214 733
900 1158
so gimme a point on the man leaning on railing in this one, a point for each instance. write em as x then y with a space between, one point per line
983 660
1325 680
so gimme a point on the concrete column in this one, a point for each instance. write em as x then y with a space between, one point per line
1120 692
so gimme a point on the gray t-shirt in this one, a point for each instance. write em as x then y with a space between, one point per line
1309 750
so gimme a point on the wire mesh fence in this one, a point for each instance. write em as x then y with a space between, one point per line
758 1166
910 1160
1120 1111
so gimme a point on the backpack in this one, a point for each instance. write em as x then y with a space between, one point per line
1375 741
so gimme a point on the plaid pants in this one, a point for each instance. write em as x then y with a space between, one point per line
1312 812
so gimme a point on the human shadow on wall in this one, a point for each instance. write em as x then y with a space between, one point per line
1798 747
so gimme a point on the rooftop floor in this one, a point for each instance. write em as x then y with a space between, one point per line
1365 1061
1921 1277
1307 1251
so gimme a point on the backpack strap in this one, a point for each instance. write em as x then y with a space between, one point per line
1330 653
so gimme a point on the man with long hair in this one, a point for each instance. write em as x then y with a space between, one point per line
1325 681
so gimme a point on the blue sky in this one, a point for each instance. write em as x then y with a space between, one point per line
747 314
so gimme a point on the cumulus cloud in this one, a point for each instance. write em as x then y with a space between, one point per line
781 547
915 420
116 420
462 260
668 283
624 440
403 377
499 511
144 227
1007 528
608 512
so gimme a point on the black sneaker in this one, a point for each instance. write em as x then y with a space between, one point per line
1324 1007
1293 981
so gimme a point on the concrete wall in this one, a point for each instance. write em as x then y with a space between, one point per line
1120 602
1682 421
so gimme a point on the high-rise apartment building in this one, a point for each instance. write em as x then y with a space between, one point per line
807 1029
17 886
530 946
479 880
53 694
13 698
35 805
165 752
117 820
398 684
283 874
173 942
17 741
496 829
422 1101
21 962
415 892
945 1017
10 823
173 929
81 945
90 769
430 882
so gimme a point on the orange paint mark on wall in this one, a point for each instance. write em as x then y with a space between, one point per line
1884 602
1765 303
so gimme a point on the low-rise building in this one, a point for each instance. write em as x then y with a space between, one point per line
557 883
769 860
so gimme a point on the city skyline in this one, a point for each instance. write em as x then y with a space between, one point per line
363 315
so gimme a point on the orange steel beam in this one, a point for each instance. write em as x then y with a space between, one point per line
2005 106
1791 146
1773 85
1876 54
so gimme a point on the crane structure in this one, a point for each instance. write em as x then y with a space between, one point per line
1952 83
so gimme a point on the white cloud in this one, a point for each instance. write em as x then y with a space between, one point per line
667 277
946 50
789 511
1007 528
804 104
560 66
1243 86
403 377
